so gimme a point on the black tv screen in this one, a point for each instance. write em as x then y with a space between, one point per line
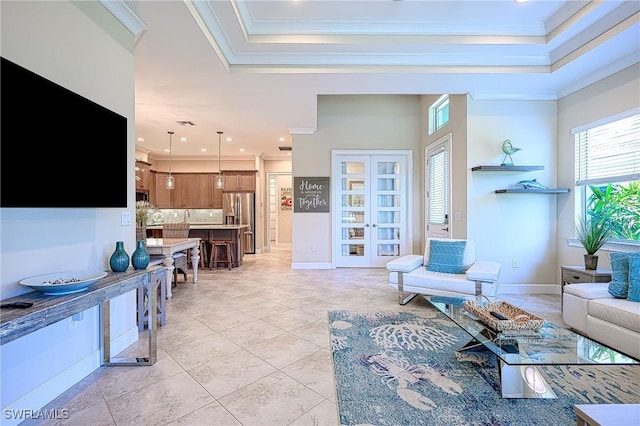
57 148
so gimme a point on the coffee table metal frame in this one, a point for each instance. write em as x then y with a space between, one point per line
519 353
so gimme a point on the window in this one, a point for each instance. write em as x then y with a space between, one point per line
607 172
439 113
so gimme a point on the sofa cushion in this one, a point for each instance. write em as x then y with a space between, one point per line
617 311
634 278
469 250
446 256
588 290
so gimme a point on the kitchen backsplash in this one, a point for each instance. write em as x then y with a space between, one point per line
160 216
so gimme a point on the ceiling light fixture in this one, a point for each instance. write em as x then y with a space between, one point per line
169 184
220 178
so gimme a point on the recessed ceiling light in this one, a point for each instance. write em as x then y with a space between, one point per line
228 139
140 139
167 150
281 139
520 1
241 149
203 150
183 139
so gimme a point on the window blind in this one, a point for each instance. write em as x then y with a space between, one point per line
438 187
609 152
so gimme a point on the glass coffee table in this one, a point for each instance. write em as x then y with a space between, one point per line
519 352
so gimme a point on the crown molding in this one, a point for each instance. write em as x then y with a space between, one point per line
126 16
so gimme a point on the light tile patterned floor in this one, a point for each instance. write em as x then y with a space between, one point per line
248 346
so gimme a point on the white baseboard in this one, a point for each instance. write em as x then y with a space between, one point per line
528 289
322 265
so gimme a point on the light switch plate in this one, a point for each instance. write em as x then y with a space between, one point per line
126 219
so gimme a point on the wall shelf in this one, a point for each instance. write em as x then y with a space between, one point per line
533 191
506 168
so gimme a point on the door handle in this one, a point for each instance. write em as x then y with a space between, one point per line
374 225
367 225
445 229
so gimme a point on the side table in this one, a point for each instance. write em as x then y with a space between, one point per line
578 274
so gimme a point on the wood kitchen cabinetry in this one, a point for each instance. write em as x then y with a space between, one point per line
239 180
143 175
190 191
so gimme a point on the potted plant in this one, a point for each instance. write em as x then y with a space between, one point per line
142 215
592 235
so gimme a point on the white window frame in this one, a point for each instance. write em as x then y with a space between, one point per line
434 113
584 178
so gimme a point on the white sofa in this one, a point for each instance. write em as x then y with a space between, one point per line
590 310
408 274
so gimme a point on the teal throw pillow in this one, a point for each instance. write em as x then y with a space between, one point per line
446 256
619 285
634 277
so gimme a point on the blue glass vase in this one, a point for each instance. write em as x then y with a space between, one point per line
140 257
119 260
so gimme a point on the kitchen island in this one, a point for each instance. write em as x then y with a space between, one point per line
212 231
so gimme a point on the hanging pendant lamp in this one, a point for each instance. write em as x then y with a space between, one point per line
169 184
219 183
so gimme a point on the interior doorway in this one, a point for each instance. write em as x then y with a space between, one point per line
280 208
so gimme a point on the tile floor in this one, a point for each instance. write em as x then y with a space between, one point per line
248 346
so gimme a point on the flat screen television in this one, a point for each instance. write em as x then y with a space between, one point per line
46 135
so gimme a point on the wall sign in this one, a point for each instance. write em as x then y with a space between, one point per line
286 202
311 194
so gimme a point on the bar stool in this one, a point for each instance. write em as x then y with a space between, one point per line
215 257
204 256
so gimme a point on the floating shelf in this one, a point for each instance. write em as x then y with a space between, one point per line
533 191
506 168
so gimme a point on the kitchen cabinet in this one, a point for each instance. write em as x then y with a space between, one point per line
190 191
161 196
239 180
143 175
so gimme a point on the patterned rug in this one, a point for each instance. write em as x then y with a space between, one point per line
403 369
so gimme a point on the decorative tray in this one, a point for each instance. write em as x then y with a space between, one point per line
59 283
516 318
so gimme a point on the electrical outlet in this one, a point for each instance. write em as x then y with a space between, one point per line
514 263
456 216
126 219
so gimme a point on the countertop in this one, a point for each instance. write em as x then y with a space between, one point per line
206 226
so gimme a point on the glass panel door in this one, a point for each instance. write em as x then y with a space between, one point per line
353 204
387 239
371 209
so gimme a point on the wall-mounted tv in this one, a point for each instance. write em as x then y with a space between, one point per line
47 133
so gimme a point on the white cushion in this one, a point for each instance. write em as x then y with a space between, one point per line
622 312
589 290
484 270
469 255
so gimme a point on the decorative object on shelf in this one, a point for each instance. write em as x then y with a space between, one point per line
592 235
531 184
140 258
119 260
509 150
219 182
59 283
169 183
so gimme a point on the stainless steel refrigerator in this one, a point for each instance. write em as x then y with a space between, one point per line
240 208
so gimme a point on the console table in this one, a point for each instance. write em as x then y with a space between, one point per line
46 310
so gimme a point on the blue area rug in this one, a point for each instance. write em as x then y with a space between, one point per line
403 369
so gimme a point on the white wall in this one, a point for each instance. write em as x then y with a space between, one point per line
82 47
509 227
617 93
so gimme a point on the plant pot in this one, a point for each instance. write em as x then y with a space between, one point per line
590 262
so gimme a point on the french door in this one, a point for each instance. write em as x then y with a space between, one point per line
370 218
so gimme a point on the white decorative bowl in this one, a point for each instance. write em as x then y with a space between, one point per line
59 283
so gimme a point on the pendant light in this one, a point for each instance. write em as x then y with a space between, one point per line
169 184
220 178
